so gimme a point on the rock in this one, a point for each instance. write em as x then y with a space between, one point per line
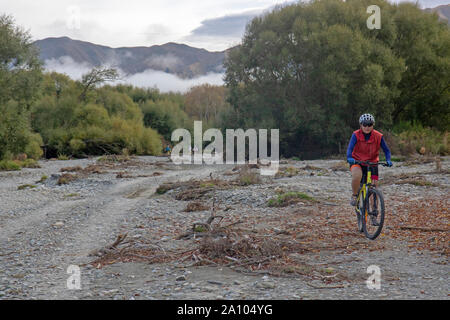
266 285
208 289
329 270
109 292
181 278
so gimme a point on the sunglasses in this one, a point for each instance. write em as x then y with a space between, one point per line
367 124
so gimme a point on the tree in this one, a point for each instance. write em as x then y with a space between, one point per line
207 103
20 79
310 69
20 67
95 77
425 86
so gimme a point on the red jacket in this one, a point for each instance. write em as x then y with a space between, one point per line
367 150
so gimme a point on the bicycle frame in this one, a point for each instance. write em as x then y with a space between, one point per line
363 189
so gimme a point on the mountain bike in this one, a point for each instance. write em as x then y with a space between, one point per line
369 206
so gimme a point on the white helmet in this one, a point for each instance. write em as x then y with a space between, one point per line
366 118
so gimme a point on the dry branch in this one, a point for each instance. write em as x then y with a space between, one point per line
423 229
326 287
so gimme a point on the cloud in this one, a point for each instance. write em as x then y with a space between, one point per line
165 82
157 32
226 31
220 33
228 26
67 66
163 61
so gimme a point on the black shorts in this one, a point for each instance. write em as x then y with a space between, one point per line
374 171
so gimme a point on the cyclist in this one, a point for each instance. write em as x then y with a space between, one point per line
365 145
167 150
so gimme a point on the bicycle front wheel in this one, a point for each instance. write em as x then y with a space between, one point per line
359 209
373 214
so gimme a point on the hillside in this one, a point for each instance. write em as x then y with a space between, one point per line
442 11
179 59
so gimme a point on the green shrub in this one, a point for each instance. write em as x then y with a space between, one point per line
33 148
25 186
8 165
63 156
15 133
164 115
76 145
109 122
412 138
30 163
285 199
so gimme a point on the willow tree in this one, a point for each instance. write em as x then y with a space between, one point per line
20 80
310 69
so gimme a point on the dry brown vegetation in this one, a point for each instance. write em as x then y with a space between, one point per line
195 206
274 247
417 180
198 189
66 178
425 224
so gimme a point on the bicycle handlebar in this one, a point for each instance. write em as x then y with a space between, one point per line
372 164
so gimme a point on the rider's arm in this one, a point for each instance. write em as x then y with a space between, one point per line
351 146
386 150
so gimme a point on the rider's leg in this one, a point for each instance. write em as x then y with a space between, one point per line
356 178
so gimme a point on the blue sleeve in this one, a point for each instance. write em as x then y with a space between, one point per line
351 146
386 150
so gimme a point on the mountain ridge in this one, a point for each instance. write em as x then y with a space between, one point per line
442 11
175 58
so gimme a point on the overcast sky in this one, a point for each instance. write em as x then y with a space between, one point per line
210 24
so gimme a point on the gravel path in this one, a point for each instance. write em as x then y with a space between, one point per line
48 227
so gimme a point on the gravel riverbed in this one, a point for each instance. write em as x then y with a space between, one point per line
47 227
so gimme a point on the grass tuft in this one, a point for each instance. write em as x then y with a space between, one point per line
285 199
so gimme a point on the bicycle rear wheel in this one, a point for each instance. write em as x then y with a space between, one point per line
373 214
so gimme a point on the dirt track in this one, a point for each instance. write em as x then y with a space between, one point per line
48 227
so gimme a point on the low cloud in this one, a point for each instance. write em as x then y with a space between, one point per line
163 61
67 66
165 82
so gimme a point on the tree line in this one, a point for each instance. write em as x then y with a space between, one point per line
308 69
